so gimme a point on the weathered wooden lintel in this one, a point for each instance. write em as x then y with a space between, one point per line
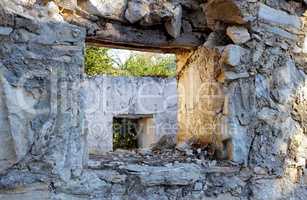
127 37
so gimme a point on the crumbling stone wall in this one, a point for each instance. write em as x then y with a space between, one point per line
41 117
262 70
201 99
108 97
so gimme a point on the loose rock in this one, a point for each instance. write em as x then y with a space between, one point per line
238 35
173 26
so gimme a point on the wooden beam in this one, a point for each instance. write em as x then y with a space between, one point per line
116 35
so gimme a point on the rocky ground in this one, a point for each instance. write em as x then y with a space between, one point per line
147 157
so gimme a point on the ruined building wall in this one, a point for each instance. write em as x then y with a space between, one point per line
201 98
41 117
263 74
107 97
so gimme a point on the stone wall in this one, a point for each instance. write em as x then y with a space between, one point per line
159 25
107 97
41 71
261 48
201 99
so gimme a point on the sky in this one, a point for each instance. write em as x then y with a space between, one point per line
122 55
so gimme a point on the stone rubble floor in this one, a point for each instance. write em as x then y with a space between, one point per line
146 157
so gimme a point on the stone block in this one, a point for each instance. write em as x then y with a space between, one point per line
229 75
5 30
279 32
272 15
238 34
137 11
233 55
30 192
106 8
178 175
173 26
198 186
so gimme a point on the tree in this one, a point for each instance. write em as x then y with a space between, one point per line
97 61
158 66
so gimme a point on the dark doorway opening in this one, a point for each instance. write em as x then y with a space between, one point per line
125 133
133 132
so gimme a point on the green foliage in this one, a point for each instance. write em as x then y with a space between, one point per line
124 134
97 61
140 65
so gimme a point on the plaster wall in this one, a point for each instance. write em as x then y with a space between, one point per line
107 97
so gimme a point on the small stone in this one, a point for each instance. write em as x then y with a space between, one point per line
268 115
259 171
238 34
53 12
136 11
5 30
145 151
186 27
212 163
168 165
57 17
52 8
233 54
198 161
297 49
165 142
198 186
305 45
109 9
25 2
189 152
229 75
173 26
305 177
183 147
76 33
176 162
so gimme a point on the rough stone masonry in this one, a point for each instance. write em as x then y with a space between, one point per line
245 62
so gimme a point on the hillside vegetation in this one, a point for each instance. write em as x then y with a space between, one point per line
98 61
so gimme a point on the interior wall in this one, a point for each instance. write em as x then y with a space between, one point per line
201 98
146 138
109 97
